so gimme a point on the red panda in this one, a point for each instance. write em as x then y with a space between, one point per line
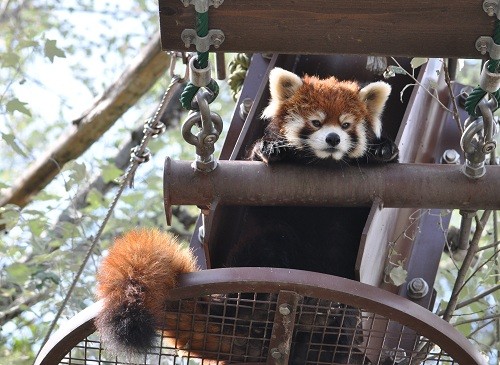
309 120
313 119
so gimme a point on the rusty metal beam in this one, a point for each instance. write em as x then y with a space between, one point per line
396 185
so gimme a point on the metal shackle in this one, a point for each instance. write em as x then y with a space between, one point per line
210 126
477 141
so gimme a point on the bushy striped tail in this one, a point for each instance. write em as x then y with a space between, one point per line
133 282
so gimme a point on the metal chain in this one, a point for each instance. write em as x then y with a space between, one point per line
139 154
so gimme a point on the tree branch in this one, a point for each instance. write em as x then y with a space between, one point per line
473 320
134 82
19 305
474 299
447 80
462 273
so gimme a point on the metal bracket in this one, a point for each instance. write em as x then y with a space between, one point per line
491 7
215 37
201 6
487 44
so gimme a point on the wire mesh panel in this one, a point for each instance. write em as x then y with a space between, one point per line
237 328
292 319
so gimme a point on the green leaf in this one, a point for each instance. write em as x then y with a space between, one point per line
95 199
17 105
10 59
18 273
9 216
51 50
398 275
110 173
418 61
27 43
10 139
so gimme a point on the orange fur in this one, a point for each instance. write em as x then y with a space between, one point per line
323 118
154 258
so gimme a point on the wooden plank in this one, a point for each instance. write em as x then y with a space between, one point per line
425 28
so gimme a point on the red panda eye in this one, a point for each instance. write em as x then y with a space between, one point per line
345 125
316 123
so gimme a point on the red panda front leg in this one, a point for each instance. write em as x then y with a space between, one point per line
269 150
382 150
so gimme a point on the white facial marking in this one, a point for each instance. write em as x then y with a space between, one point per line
317 143
377 127
361 145
347 118
318 115
293 126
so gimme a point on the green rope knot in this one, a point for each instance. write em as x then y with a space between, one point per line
478 93
191 90
201 62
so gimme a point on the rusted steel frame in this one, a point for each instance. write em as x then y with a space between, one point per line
396 185
68 336
427 28
284 322
272 280
349 292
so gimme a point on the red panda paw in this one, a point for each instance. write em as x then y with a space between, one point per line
383 150
269 151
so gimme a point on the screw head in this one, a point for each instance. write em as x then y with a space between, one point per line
275 353
482 47
451 157
417 288
217 40
285 309
211 138
489 8
188 40
489 147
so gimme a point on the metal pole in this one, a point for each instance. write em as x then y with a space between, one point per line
396 185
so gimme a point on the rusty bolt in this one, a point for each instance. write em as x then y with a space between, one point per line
275 353
285 309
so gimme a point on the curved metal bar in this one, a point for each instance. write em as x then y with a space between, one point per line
68 336
272 280
396 185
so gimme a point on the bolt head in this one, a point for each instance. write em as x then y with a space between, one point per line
451 157
275 354
489 147
217 41
284 309
417 288
210 139
489 8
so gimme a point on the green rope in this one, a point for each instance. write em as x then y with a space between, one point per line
190 90
493 66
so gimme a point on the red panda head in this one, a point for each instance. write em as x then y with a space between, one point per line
328 118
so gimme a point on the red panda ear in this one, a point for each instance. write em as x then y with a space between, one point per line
375 96
282 85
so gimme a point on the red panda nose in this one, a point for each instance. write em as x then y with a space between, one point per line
333 139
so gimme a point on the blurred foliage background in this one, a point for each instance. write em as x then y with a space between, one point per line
55 59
